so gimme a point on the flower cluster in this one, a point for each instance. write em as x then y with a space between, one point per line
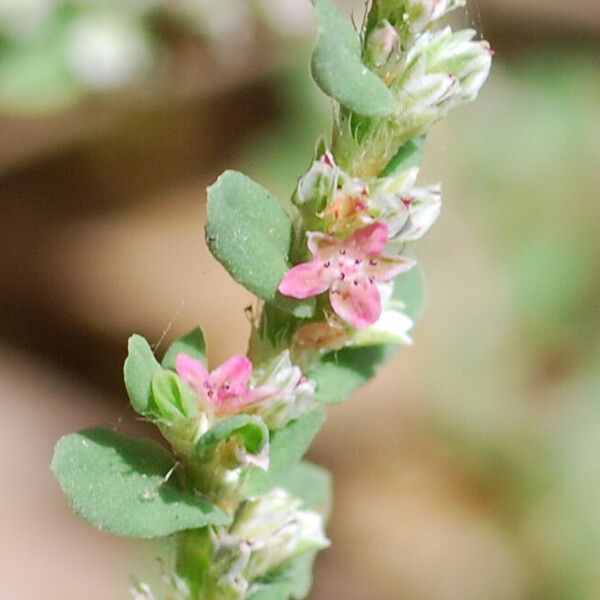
267 532
430 72
356 221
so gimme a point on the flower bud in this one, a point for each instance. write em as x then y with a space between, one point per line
421 13
408 211
172 398
175 411
444 69
381 43
267 532
291 394
315 189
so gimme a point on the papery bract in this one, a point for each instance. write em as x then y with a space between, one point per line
350 270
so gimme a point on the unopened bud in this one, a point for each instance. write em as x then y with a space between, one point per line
381 44
421 13
315 189
173 400
289 393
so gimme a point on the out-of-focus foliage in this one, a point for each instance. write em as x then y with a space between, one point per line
53 52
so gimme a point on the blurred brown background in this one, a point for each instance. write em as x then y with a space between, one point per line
469 470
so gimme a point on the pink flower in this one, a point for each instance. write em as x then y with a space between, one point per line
226 388
350 270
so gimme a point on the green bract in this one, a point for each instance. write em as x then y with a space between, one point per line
192 344
339 70
139 370
172 399
410 155
122 485
287 447
250 234
251 431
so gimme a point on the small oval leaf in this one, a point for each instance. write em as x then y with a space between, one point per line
120 484
250 234
338 68
139 369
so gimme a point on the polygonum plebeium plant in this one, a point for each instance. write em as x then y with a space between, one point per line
338 296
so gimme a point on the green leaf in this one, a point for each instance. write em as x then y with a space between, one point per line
410 289
293 580
139 369
250 430
172 399
310 483
410 155
119 484
338 374
250 234
339 70
287 447
192 344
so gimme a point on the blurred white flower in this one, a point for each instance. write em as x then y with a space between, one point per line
106 51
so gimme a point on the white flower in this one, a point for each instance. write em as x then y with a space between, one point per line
408 211
292 394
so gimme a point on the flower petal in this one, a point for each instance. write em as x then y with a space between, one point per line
191 370
359 304
368 241
386 267
322 245
305 280
232 377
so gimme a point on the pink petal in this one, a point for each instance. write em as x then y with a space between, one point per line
369 240
233 404
232 377
305 280
322 245
387 267
360 304
191 370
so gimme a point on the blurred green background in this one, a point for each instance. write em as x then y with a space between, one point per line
470 468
